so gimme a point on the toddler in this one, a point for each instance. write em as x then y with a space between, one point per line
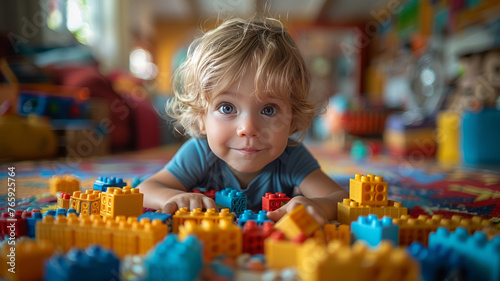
241 94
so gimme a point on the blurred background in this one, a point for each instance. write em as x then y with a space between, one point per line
414 78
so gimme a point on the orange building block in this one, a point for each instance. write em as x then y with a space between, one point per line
67 184
369 190
63 201
349 210
280 252
319 262
124 201
182 215
223 237
296 222
86 203
29 259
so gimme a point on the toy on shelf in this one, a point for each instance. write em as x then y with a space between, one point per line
254 236
102 183
349 210
370 190
248 215
95 263
281 252
372 230
175 260
124 201
271 202
223 237
24 260
66 184
296 222
182 215
236 201
87 203
482 257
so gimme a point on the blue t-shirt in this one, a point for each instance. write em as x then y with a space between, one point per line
196 166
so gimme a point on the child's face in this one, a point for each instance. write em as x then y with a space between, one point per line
245 132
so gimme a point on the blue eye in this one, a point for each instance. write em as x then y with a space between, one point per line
226 108
269 111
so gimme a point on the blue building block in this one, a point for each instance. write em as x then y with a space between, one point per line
96 264
174 260
102 183
136 181
165 218
50 213
437 263
372 230
60 212
248 215
482 257
31 223
236 201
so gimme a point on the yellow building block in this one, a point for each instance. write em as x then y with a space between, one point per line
448 126
124 236
418 229
318 262
67 184
151 233
296 222
223 237
182 215
349 210
63 200
28 258
330 232
369 190
86 203
282 253
124 201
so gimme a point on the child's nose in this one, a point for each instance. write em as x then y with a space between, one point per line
248 127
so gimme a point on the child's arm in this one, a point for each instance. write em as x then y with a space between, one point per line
320 197
162 191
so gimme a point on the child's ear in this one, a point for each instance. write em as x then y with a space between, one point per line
201 124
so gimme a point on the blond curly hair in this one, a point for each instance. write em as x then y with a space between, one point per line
221 56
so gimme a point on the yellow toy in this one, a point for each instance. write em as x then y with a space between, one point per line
349 210
223 237
182 215
86 203
65 184
369 190
29 259
296 222
124 201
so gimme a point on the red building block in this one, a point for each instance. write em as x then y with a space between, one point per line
18 220
271 202
210 193
254 236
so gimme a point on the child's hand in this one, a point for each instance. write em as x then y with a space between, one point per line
188 200
312 208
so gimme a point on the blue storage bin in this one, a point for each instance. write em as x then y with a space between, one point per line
481 137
